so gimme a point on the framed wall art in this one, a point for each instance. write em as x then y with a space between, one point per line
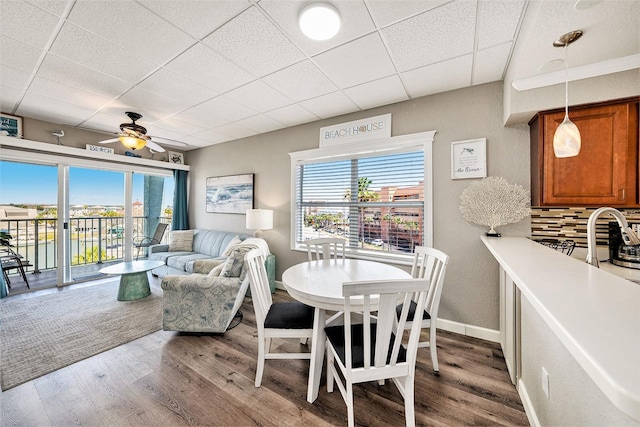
10 125
175 157
230 194
469 159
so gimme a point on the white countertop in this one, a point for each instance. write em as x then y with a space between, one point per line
594 313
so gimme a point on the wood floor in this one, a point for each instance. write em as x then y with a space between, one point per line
172 379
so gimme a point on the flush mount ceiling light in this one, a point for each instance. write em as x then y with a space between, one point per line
319 21
567 141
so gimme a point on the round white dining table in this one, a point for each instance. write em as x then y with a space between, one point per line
319 284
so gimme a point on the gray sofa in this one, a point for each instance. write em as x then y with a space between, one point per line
207 244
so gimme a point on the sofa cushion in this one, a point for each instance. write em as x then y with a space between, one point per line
185 262
212 242
181 241
164 256
234 266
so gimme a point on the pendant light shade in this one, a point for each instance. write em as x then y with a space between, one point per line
132 142
567 141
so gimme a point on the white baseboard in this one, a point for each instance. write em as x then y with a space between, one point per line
469 330
528 405
451 326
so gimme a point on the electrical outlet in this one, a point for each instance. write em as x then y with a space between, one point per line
545 382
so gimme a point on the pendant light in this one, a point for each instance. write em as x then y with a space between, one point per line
567 141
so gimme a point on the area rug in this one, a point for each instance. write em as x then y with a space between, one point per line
45 333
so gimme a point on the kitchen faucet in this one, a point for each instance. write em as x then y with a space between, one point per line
628 235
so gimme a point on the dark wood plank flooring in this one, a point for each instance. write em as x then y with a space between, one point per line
169 378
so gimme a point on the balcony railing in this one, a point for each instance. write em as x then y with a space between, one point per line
94 240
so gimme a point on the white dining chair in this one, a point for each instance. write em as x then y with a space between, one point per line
373 350
325 248
275 320
428 263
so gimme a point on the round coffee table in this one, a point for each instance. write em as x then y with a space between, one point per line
134 282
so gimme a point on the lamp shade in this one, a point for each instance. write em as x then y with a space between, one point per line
319 21
259 219
132 142
567 141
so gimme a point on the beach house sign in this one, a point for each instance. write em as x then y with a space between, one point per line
357 130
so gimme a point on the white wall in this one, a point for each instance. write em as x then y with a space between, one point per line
470 295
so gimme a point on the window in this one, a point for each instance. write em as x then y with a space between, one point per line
376 195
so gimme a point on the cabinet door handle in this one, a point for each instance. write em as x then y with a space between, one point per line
622 194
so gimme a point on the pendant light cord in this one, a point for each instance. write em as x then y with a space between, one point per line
566 80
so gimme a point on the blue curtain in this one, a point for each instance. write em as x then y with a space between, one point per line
180 219
3 286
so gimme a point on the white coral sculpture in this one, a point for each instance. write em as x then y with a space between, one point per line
494 202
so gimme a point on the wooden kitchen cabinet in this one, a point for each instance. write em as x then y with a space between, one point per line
606 170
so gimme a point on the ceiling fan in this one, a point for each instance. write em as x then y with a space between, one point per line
134 136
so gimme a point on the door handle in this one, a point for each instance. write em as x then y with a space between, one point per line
622 194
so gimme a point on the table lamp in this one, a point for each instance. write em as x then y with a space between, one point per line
258 220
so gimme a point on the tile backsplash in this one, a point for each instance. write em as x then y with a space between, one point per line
566 223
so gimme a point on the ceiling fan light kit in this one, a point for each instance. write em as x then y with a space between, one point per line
133 136
319 21
132 142
567 140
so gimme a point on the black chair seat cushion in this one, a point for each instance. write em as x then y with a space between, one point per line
289 315
412 312
335 335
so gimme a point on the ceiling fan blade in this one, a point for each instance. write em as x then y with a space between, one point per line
106 141
168 141
155 147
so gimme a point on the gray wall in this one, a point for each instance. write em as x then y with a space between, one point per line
470 295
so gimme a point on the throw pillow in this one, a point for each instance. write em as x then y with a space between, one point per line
232 244
181 241
233 267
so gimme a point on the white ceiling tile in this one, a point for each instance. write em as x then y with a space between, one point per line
204 66
259 96
490 64
18 55
67 94
261 123
440 77
9 97
367 58
291 115
330 105
53 110
196 142
175 125
13 78
64 71
159 134
199 118
152 105
355 18
440 34
386 12
235 130
301 81
129 25
201 17
226 108
56 7
175 87
498 21
262 50
99 54
26 23
380 92
212 137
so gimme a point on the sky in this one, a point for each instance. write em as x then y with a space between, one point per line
22 183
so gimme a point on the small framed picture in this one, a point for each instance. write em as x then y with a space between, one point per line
10 125
175 157
469 159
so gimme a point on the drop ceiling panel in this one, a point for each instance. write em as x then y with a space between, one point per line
56 7
9 97
100 55
301 81
178 126
200 118
439 34
444 76
387 12
380 92
64 71
13 78
490 64
212 137
355 18
53 110
26 23
330 105
235 130
66 93
291 115
204 66
18 55
107 122
154 105
227 108
259 96
131 26
261 123
173 86
200 18
262 50
367 58
507 12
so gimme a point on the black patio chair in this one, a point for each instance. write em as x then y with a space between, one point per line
145 242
